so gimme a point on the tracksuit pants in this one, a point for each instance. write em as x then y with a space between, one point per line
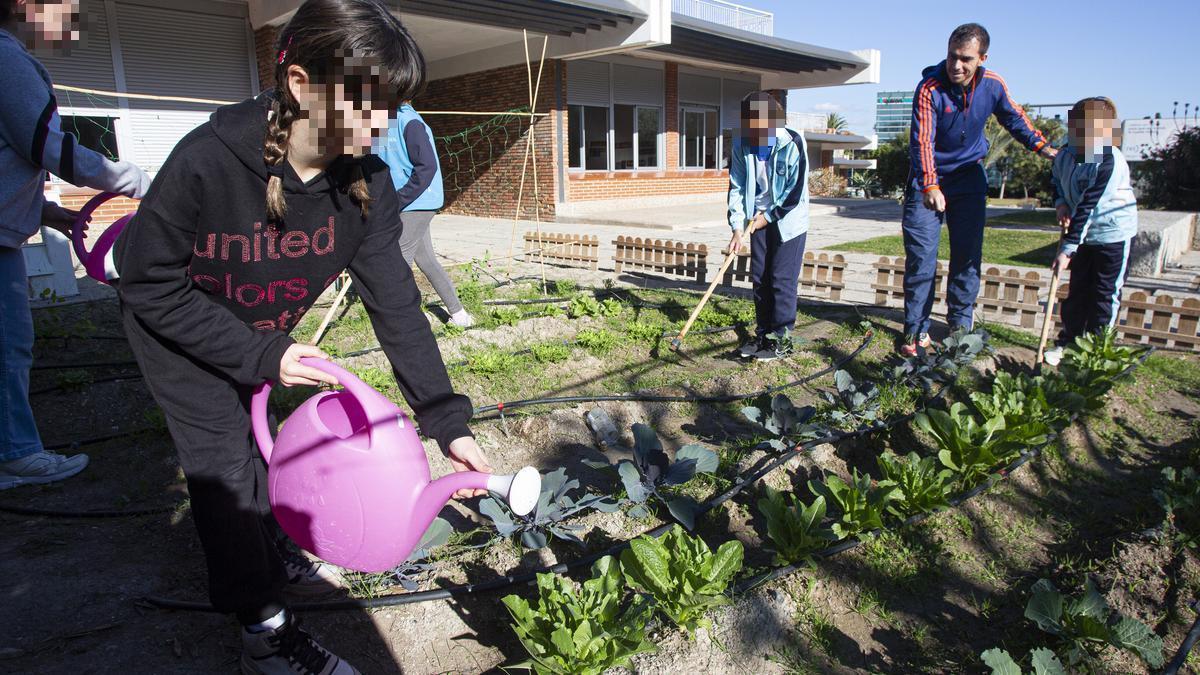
775 273
966 206
1098 272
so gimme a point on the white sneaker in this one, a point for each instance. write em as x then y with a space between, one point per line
40 467
307 577
462 319
287 650
1053 356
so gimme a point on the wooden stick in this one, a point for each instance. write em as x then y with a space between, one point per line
1054 279
677 342
537 197
329 314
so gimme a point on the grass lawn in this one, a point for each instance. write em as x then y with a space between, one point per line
1028 248
1044 218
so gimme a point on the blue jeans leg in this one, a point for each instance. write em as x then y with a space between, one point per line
922 229
18 432
775 273
965 216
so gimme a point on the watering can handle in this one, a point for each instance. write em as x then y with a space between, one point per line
85 216
258 403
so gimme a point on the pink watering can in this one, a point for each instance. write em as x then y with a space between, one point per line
98 263
349 481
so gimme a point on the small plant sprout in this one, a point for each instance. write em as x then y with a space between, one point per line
554 506
585 631
651 471
861 503
682 574
1179 496
796 530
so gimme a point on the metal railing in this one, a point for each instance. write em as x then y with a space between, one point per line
807 121
727 14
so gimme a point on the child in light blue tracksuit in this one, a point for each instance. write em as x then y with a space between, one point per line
1097 208
768 197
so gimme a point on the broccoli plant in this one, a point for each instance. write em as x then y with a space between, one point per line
410 572
797 531
650 471
921 485
682 574
1092 364
855 404
554 506
782 419
1179 496
941 365
586 631
1085 626
861 503
1042 661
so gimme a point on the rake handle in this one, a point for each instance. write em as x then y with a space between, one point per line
1055 277
677 342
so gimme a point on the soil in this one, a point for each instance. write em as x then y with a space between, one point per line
926 599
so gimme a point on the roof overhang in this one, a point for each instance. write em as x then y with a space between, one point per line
848 163
547 17
841 141
697 39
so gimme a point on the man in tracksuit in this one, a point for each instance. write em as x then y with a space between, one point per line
768 197
947 180
1094 199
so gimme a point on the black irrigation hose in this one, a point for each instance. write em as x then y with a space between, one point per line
655 398
1185 648
97 439
98 513
98 380
76 366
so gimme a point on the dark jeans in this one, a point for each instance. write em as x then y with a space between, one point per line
775 273
966 205
209 420
1098 272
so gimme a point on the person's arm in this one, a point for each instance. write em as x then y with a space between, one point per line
153 254
385 283
737 187
424 160
30 124
1012 117
922 134
795 186
1061 211
1077 230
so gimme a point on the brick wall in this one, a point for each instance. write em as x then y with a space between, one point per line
265 55
482 167
671 130
619 184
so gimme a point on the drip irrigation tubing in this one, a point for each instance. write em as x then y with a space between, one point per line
1186 646
97 513
77 366
98 380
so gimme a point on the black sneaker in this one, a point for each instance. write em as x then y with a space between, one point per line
772 347
749 349
288 650
308 578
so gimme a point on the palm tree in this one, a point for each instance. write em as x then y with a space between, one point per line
835 122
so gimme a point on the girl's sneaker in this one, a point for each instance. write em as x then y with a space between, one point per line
462 319
910 347
40 467
288 650
308 578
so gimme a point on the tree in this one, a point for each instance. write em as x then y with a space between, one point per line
1029 171
835 122
1170 177
999 156
892 164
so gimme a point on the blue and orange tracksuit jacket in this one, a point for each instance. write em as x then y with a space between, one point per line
948 121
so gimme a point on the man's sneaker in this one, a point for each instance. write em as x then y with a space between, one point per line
462 318
288 650
40 467
749 349
308 577
771 348
1053 356
910 347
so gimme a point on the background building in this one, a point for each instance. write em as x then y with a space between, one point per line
893 114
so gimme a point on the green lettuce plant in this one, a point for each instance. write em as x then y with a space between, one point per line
796 529
861 503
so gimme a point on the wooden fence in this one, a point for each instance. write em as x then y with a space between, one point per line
572 250
667 257
820 274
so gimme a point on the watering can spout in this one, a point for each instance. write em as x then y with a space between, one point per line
520 490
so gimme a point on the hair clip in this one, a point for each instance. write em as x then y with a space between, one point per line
283 52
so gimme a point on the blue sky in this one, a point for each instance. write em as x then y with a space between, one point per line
1140 54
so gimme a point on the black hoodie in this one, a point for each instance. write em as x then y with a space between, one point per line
202 269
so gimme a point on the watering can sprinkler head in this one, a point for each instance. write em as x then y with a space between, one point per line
521 489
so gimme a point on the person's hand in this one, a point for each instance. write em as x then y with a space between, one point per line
56 217
1062 262
1063 214
935 200
292 372
1048 152
735 242
759 222
465 455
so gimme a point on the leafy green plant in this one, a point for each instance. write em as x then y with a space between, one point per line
550 352
550 309
1179 496
796 530
410 572
972 449
921 484
861 503
682 574
585 305
854 403
941 365
651 471
491 361
638 331
598 341
1086 625
1092 364
778 416
563 287
1042 660
555 504
1019 398
584 631
503 316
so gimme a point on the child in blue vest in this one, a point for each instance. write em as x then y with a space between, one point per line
1098 211
409 153
768 198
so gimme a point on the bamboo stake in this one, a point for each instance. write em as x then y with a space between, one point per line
337 301
677 342
1054 279
537 199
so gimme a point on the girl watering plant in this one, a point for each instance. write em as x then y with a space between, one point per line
251 217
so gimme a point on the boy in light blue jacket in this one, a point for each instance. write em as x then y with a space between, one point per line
1098 211
768 198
